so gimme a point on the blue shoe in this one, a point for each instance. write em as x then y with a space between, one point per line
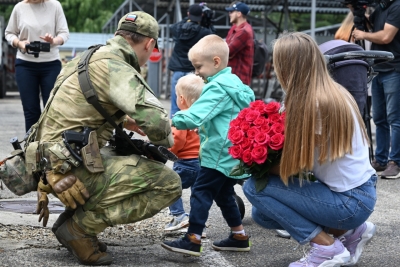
235 242
188 245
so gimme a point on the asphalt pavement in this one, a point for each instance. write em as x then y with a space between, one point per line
267 248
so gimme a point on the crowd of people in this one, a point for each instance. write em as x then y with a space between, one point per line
324 134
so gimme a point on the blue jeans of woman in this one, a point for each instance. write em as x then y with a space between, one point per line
386 115
187 170
33 79
174 80
304 211
212 185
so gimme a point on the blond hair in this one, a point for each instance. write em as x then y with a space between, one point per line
344 31
190 87
210 46
319 111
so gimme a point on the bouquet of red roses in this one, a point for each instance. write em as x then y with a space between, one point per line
257 135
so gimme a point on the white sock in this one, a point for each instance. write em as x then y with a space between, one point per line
198 237
239 232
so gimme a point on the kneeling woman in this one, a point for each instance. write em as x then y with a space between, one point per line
325 134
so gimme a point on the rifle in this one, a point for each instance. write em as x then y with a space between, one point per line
147 149
121 145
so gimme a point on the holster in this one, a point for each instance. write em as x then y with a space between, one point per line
91 155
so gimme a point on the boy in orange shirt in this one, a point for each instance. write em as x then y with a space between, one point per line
186 147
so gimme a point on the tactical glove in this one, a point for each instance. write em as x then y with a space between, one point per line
68 188
42 206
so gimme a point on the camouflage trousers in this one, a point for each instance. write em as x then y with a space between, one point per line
131 188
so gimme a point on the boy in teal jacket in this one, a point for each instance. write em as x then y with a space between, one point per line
223 96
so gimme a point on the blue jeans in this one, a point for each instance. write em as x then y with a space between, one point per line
386 115
33 79
212 185
174 80
304 211
187 170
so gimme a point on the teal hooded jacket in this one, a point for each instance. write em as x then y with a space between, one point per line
222 98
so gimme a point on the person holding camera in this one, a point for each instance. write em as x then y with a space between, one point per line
185 33
385 36
36 20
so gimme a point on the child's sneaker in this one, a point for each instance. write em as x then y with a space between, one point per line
356 241
186 245
178 222
235 242
318 255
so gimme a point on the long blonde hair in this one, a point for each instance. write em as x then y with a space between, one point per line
344 31
319 111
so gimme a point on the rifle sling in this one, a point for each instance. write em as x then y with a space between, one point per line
91 95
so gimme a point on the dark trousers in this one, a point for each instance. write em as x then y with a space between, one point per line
33 79
212 185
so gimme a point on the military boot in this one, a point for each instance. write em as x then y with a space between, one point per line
82 245
66 215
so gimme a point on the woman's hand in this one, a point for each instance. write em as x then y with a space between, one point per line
130 124
52 40
21 46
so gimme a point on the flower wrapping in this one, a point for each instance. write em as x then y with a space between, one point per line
257 136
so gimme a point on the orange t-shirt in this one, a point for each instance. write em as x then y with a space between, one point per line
186 144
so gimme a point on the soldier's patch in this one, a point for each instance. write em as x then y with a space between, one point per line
152 100
131 18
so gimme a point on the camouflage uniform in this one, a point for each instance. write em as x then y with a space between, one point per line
131 188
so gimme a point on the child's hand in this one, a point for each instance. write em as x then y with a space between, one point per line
130 124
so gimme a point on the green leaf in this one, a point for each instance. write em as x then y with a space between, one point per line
261 183
238 170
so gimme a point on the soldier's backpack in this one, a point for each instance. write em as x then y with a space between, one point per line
260 57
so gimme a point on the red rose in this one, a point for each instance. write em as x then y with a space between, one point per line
235 151
252 115
236 137
265 128
252 132
244 126
258 105
242 114
278 128
273 118
262 138
260 121
232 130
276 142
246 157
272 107
259 154
246 143
235 122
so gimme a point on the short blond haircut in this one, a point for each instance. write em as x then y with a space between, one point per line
210 46
190 87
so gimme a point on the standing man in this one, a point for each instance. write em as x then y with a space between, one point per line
106 188
385 36
240 41
186 33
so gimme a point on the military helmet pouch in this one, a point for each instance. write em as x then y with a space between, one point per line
15 176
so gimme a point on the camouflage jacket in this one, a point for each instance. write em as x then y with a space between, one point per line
119 86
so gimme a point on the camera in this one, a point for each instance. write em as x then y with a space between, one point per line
359 7
34 48
208 16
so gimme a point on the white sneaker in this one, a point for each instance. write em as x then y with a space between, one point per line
178 222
